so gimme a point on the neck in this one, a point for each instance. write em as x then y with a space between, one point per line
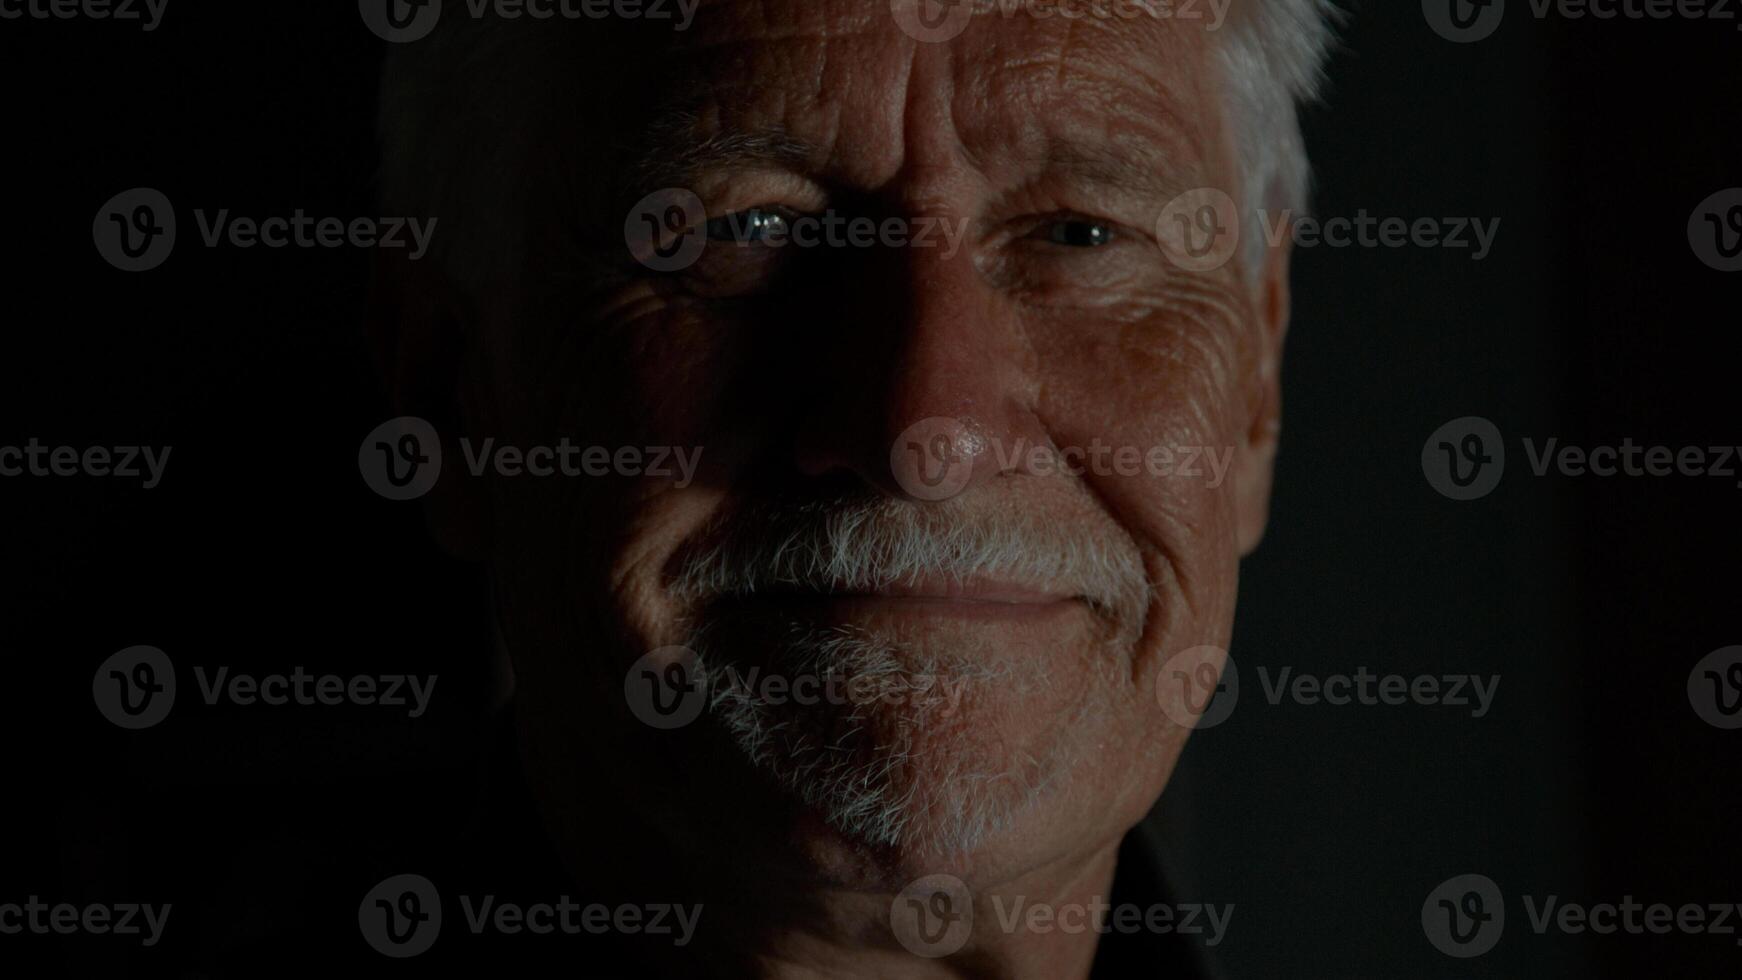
1038 925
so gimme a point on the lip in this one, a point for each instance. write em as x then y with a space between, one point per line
971 599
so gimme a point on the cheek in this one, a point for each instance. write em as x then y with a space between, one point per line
1165 394
653 372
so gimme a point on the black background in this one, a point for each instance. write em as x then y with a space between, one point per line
1592 779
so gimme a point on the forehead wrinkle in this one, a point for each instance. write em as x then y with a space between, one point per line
784 98
716 46
1139 151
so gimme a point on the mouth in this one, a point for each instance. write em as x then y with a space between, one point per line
972 599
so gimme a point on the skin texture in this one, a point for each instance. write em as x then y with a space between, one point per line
798 370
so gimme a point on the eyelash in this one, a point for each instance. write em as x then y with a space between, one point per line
1065 229
1053 230
727 227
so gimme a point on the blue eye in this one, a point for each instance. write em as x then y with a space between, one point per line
749 226
1077 233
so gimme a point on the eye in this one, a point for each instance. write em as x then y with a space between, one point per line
1075 232
751 226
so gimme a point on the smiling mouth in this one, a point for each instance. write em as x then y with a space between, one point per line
976 599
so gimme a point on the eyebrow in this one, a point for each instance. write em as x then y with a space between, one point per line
676 156
1103 167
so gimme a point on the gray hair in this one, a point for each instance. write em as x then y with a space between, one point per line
1273 61
438 94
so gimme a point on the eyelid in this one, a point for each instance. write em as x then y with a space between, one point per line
729 192
1036 226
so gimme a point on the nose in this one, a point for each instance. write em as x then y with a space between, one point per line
928 394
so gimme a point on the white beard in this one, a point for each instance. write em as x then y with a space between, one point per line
909 753
935 771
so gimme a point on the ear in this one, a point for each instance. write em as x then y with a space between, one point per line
1257 457
420 332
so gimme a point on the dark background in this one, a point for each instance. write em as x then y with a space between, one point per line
1591 321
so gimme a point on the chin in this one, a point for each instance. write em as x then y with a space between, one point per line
940 744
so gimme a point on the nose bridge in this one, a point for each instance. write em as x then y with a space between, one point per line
934 396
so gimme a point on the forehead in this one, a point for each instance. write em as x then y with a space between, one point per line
848 79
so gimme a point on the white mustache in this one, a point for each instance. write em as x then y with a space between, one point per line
869 543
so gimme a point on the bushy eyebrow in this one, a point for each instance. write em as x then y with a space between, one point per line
676 155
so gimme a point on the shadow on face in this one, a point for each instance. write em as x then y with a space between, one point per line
902 384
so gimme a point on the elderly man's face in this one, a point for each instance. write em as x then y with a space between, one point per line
1000 477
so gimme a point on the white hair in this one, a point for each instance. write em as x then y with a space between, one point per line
1272 61
439 95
